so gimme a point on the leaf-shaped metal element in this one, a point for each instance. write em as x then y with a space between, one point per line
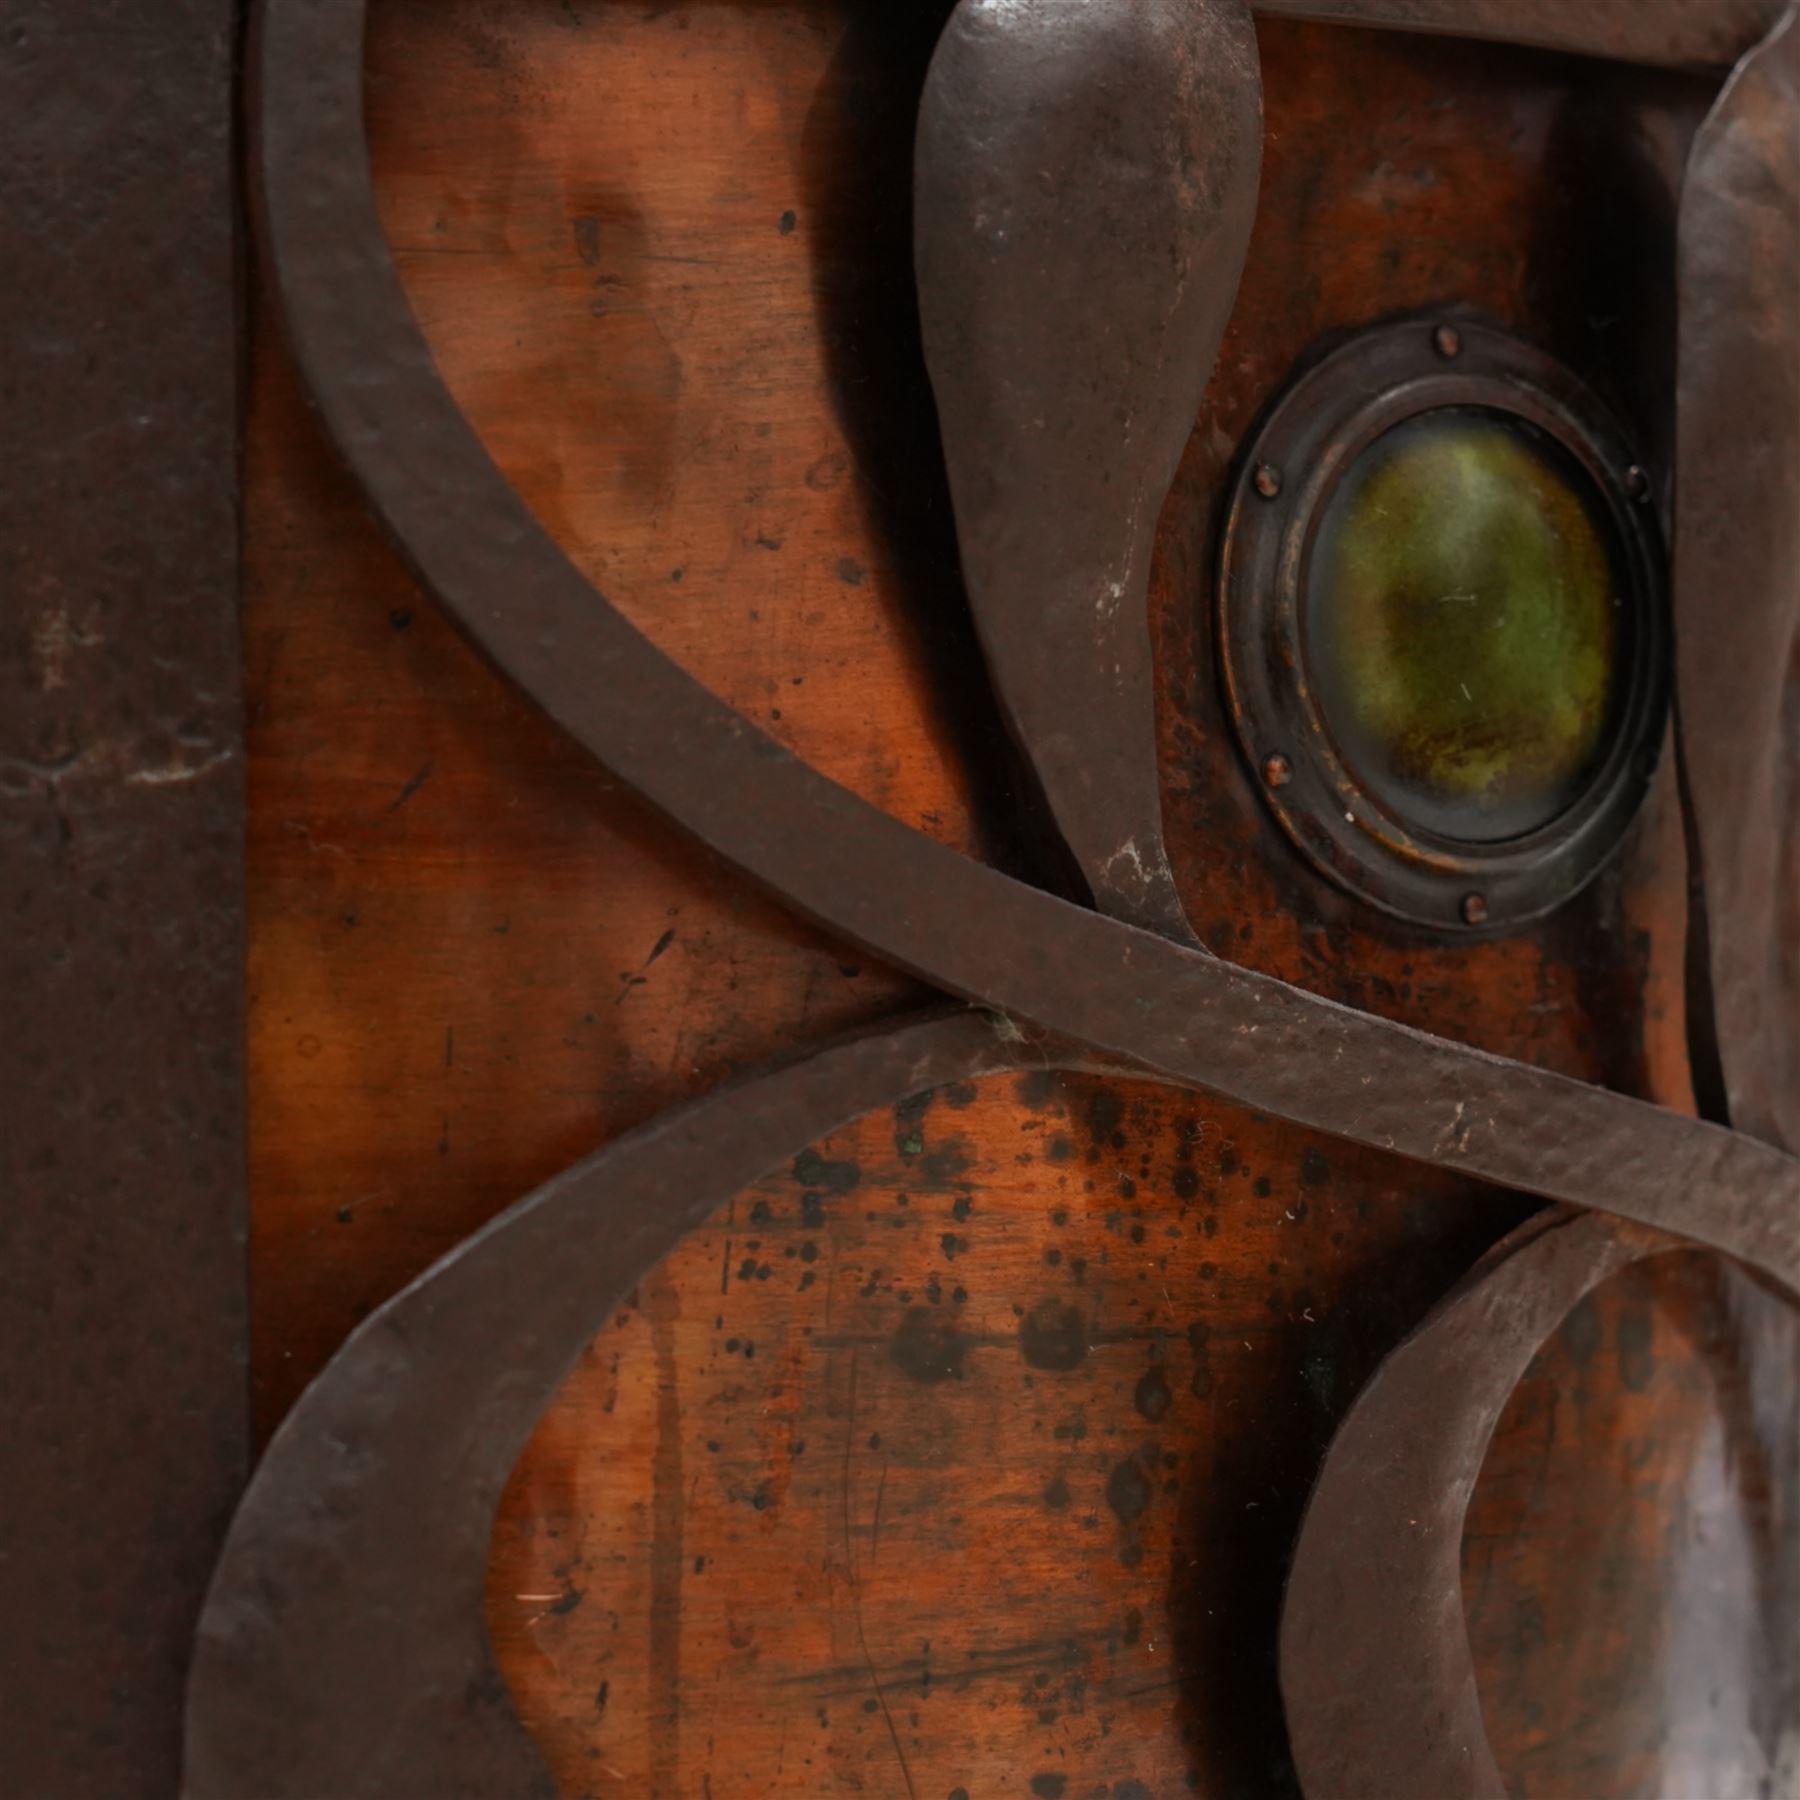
1086 181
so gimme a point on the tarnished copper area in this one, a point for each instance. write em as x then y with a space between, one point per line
1077 259
1481 817
342 1650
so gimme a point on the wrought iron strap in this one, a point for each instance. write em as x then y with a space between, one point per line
967 929
1667 33
1376 1669
344 1653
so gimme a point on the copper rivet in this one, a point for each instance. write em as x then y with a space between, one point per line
1637 482
1448 340
1474 909
1268 480
1277 771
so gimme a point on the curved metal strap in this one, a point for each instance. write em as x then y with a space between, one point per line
853 869
1376 1670
1737 575
343 1653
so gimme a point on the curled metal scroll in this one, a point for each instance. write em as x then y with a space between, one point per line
342 1651
1376 1669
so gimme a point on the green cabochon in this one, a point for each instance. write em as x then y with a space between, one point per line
1463 623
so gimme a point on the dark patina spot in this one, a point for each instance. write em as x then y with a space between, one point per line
815 1171
1105 1114
928 1347
1054 1335
944 1166
1128 1491
1152 1397
1581 1331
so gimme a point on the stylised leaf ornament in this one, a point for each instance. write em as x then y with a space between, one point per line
1086 184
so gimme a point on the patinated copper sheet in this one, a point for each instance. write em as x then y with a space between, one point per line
399 1406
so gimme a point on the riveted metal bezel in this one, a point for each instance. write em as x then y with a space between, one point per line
1290 470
